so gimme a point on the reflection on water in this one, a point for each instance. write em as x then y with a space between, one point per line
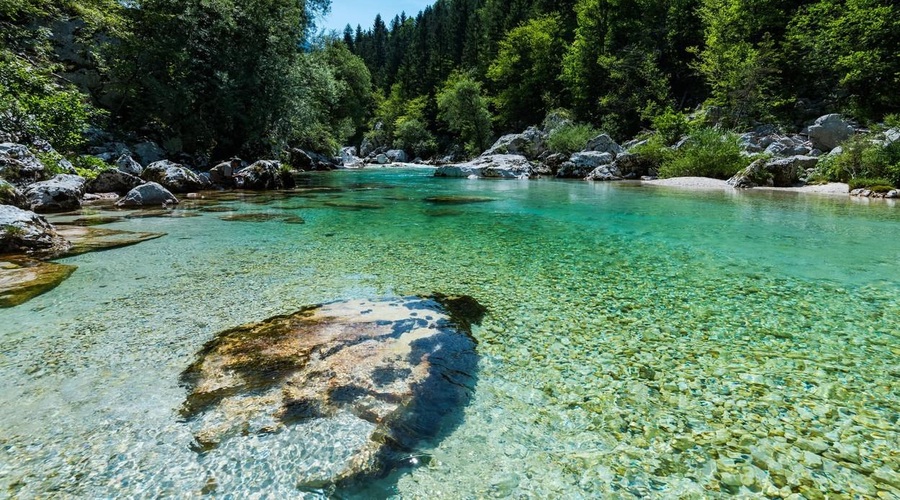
639 341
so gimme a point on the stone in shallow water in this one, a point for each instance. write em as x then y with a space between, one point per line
392 375
250 217
22 279
93 239
353 206
457 200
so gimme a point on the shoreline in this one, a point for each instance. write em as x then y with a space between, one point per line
707 184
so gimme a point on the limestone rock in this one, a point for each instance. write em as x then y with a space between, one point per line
373 379
604 144
147 195
22 231
583 163
397 156
173 176
113 181
529 144
493 166
10 195
349 158
382 159
604 173
783 172
62 192
264 174
19 166
127 164
829 132
635 166
148 152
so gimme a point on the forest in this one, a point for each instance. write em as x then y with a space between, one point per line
222 77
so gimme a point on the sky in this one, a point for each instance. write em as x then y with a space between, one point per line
363 12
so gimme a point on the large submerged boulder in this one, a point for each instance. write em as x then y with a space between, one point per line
62 192
22 231
354 387
493 166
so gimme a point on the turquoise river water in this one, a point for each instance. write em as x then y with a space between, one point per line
640 341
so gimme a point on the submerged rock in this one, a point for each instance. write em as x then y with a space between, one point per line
86 239
379 379
22 279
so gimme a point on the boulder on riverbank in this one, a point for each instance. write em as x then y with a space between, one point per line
19 166
173 176
59 194
373 379
529 144
829 131
785 172
10 195
580 165
264 174
493 166
23 231
113 181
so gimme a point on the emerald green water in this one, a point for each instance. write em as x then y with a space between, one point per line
639 341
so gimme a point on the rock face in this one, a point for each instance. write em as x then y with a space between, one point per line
583 163
604 144
19 166
785 172
128 165
10 195
22 231
397 156
113 181
494 166
264 174
829 132
529 144
146 195
61 193
173 176
373 379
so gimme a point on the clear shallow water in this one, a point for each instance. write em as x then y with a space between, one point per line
640 341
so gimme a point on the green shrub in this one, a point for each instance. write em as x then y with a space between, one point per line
708 152
89 166
864 157
571 137
411 135
33 105
872 183
671 125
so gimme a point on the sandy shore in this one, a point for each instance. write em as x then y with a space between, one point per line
705 183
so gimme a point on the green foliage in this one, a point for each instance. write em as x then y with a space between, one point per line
89 166
465 111
571 137
526 70
33 105
878 185
708 152
863 157
671 125
412 135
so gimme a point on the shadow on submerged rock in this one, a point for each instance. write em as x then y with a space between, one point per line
393 375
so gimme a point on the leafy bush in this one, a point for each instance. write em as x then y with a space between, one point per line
708 152
571 137
873 184
89 166
671 125
411 135
33 105
864 157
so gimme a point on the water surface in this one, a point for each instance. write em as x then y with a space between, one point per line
639 342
